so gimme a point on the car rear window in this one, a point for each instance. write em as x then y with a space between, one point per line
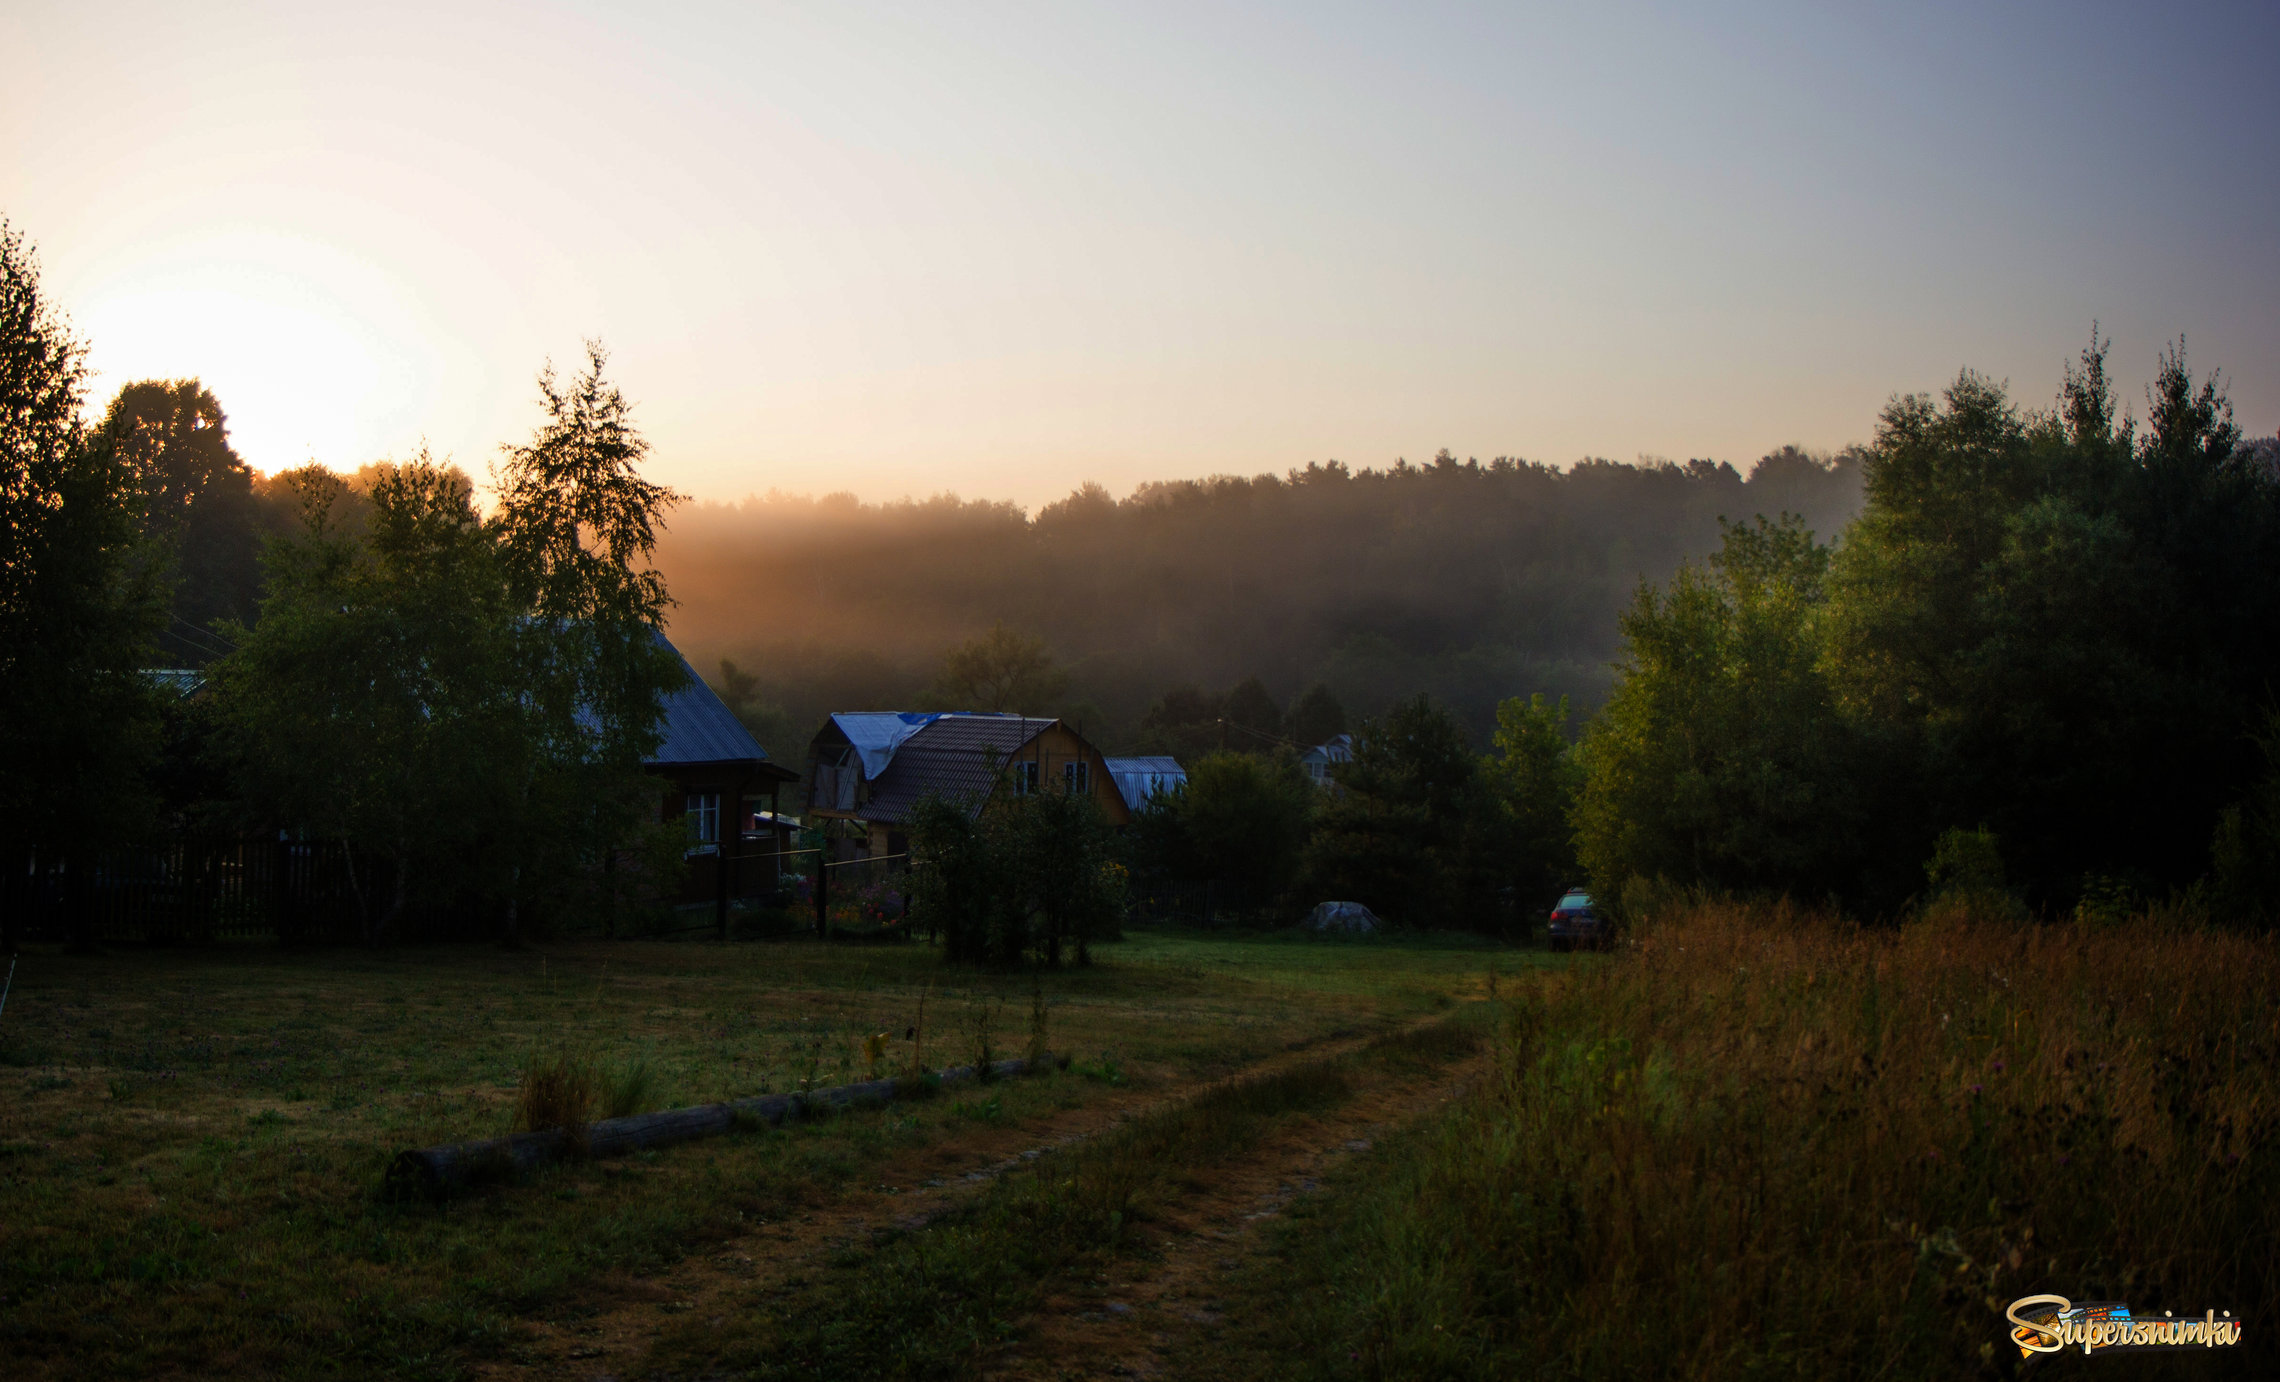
1573 901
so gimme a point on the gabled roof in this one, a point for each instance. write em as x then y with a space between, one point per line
1138 779
700 729
955 757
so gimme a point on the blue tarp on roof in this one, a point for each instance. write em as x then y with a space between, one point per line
699 728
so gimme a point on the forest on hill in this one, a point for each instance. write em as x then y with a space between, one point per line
1469 581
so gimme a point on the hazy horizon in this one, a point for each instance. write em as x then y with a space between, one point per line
1001 253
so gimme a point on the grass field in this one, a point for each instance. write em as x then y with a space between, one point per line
1748 1143
191 1143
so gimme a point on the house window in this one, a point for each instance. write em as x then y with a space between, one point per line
1025 779
1077 777
702 811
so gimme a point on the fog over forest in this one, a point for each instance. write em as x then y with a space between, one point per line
1467 580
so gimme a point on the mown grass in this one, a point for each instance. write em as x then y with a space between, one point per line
1761 1144
933 1302
191 1143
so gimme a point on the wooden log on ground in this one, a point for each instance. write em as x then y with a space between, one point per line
437 1171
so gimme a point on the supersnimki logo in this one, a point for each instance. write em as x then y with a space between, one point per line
2048 1324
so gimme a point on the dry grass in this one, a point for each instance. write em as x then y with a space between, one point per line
1760 1143
556 1092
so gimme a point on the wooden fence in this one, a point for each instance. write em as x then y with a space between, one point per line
187 891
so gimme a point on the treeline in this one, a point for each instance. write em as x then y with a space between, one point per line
1461 579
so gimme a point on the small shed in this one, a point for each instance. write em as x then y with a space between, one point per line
1138 779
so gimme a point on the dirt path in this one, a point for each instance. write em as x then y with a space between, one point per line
906 1191
1127 1321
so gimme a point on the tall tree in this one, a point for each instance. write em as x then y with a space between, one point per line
1535 774
202 505
1403 836
1721 758
577 526
1000 670
79 598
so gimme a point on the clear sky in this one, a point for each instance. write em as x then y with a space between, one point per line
1003 249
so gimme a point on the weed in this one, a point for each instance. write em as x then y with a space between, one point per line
555 1092
1037 1051
874 1046
1102 1071
981 1029
990 1110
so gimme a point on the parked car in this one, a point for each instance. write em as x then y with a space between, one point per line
1575 921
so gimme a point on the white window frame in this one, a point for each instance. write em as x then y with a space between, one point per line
1076 777
702 811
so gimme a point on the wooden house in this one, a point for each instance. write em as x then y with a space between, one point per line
868 769
716 778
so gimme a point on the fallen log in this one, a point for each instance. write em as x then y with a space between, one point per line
437 1171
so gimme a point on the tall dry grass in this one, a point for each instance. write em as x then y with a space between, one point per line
1763 1143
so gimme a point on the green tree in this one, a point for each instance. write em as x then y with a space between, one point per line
80 598
1008 876
1721 757
1535 775
1316 717
1252 712
576 529
1240 824
1067 880
373 703
1410 834
202 507
1000 670
2048 621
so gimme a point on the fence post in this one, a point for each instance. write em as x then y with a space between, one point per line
822 890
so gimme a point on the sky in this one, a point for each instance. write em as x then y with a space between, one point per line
1003 249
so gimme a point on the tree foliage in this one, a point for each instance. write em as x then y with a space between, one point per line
2044 626
81 593
1016 876
1534 776
1413 831
1000 670
1239 824
202 506
466 702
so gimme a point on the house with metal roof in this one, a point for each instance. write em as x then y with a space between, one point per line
717 776
869 769
1317 761
1138 779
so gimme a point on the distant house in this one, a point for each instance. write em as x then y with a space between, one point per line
1317 760
717 776
1138 779
870 768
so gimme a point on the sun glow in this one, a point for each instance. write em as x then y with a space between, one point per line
316 355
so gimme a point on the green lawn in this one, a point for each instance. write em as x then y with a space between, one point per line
191 1143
